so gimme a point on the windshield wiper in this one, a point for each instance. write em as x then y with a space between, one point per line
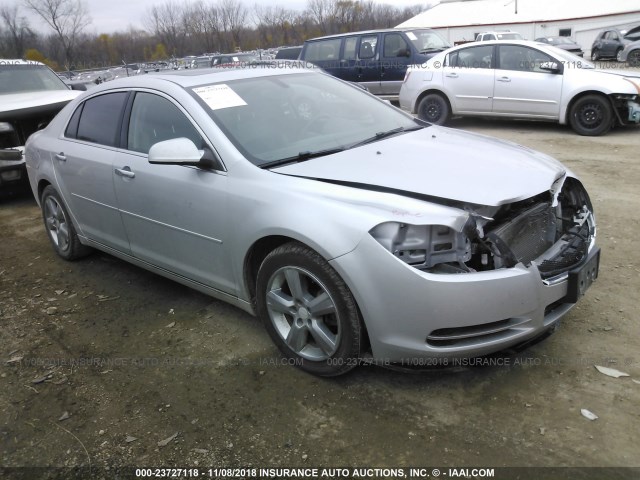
301 157
388 133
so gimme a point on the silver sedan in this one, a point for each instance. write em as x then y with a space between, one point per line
354 231
521 79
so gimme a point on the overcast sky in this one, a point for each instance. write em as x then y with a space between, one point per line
117 15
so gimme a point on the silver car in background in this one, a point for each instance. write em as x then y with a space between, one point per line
520 79
353 231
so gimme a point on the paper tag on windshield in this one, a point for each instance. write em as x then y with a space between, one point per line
219 96
412 36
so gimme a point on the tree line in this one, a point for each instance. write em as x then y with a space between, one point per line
176 29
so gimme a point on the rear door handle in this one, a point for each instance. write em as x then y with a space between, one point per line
60 156
125 172
504 79
452 75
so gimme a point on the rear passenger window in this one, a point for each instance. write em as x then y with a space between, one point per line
473 57
72 128
100 119
323 50
155 119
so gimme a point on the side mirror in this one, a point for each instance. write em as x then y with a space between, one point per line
552 67
10 154
182 151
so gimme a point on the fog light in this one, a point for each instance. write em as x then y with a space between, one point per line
11 175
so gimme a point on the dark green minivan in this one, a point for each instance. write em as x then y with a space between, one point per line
377 59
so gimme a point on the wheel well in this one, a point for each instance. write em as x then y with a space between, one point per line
427 92
582 94
254 258
257 253
41 186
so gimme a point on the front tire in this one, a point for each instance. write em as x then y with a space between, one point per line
618 54
434 108
591 115
309 311
633 59
60 229
595 55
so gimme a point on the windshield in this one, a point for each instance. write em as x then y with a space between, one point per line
28 78
561 41
296 116
427 40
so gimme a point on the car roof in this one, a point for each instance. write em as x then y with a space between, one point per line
526 43
18 61
368 32
201 76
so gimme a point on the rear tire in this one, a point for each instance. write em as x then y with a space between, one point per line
434 108
309 311
59 227
618 53
591 115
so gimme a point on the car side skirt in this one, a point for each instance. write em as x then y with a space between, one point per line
201 287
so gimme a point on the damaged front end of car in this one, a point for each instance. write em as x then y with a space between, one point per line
554 230
13 174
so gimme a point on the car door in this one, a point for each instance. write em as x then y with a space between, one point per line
610 44
468 79
82 161
368 63
175 215
349 59
396 58
522 87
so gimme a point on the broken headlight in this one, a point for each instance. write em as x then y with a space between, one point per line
423 246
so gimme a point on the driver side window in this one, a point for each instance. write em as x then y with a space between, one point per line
155 119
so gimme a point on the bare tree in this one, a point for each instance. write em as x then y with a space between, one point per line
17 28
234 15
203 25
168 21
67 18
322 13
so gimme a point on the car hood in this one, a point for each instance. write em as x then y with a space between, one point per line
13 106
439 162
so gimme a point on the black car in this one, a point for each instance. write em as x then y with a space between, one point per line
288 53
377 59
565 43
610 43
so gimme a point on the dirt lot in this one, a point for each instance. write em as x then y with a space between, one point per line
132 359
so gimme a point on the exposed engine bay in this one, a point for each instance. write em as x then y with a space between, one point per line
554 231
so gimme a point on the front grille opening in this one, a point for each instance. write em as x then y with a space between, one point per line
464 336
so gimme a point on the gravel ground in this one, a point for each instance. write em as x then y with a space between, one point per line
105 364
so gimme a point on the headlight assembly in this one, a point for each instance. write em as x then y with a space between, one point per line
423 246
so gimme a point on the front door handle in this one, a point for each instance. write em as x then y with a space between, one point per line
452 75
125 172
504 79
60 156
